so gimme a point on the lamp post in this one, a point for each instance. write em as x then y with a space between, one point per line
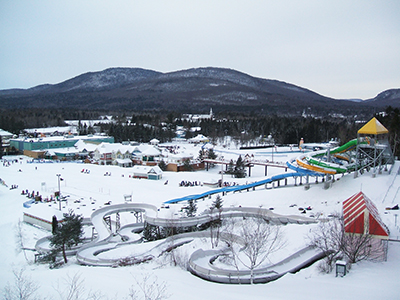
59 192
272 154
222 171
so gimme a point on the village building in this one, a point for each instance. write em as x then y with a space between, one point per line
36 147
5 140
154 142
361 217
199 139
147 172
51 131
150 155
198 117
113 154
125 155
38 216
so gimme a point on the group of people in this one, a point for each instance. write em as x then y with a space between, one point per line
37 196
7 163
85 171
225 183
31 195
190 183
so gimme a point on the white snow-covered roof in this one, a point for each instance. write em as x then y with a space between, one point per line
208 146
105 120
114 147
49 130
179 156
4 133
199 138
82 145
147 150
154 142
151 151
147 170
122 161
194 129
43 212
50 152
66 150
59 138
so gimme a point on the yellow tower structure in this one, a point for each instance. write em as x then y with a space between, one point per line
373 149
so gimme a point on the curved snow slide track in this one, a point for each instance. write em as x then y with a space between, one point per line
90 253
200 264
199 260
97 217
105 241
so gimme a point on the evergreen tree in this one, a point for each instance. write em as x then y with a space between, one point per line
201 154
231 168
68 234
187 166
162 165
191 209
239 171
216 221
211 154
217 203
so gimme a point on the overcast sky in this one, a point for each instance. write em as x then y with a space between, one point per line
340 48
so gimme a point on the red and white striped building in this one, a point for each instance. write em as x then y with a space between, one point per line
362 224
361 216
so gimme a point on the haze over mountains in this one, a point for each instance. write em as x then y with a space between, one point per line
192 90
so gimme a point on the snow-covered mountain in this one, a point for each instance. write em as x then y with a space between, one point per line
195 89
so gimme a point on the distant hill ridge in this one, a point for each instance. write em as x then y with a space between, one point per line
192 90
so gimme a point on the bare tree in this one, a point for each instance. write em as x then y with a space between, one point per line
22 289
357 247
232 240
331 238
73 288
259 239
19 236
327 237
149 289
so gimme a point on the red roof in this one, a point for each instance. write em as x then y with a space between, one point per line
361 215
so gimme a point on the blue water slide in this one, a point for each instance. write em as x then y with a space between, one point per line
236 188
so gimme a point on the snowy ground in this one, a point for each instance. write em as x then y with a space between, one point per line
366 280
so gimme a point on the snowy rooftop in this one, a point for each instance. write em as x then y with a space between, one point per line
57 138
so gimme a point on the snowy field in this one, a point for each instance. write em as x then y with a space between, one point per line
90 191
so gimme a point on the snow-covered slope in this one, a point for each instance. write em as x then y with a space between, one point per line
366 280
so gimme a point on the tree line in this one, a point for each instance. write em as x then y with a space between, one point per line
243 127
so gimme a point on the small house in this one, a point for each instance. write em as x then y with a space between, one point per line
361 217
147 172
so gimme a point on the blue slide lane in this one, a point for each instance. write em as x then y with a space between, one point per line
237 188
